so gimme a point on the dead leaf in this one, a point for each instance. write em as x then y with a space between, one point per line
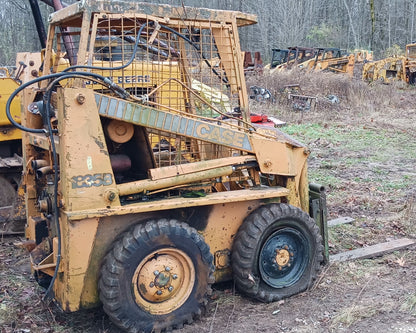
401 262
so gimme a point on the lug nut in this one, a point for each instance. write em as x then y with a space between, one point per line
167 269
170 289
159 292
156 273
151 284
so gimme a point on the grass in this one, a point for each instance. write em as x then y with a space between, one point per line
409 304
350 315
376 144
376 148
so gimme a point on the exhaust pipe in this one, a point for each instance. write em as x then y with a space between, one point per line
43 171
36 164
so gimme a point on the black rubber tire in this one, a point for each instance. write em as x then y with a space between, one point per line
130 251
262 225
7 192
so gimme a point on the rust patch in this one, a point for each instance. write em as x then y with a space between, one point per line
142 288
99 143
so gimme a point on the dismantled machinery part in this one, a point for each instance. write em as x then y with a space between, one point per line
277 253
385 70
260 94
390 69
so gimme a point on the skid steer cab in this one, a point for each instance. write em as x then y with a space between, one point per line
146 182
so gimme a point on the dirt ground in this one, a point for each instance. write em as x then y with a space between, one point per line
363 149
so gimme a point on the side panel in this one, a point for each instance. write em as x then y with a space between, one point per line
223 223
86 172
77 245
87 241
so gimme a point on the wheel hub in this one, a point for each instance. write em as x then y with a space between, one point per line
164 280
159 278
283 258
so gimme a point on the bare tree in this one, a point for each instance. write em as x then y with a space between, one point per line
342 23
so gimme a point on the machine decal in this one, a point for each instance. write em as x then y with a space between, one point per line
127 79
163 120
96 180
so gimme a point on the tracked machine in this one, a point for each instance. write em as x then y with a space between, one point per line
145 181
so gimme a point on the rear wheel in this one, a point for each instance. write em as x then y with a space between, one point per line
7 192
276 253
156 277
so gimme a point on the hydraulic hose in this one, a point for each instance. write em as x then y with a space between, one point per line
106 81
55 188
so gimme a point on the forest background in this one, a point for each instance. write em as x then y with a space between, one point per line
378 25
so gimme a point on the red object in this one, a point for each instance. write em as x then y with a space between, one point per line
261 119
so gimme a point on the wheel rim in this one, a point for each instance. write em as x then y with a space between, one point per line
163 281
283 258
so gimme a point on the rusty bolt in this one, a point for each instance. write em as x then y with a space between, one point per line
31 63
80 99
267 163
34 73
110 195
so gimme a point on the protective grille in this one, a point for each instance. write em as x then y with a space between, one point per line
179 66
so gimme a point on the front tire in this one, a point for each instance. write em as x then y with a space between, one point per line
156 277
277 253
